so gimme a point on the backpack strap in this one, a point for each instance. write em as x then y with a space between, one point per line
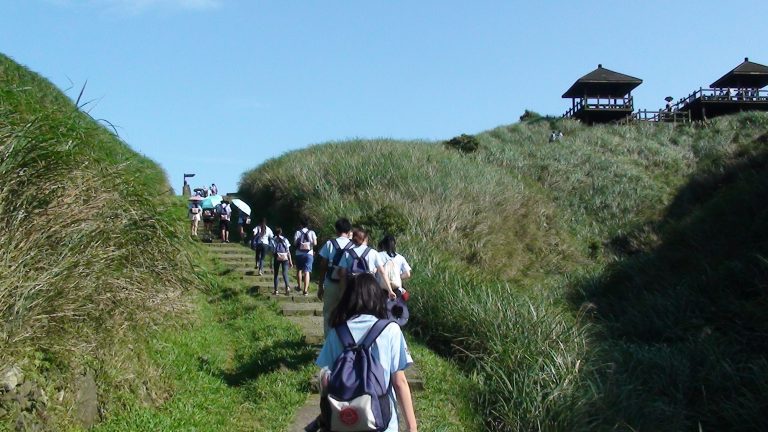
374 333
345 336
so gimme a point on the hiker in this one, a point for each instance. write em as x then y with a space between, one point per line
262 236
194 216
214 190
328 289
553 136
208 217
395 265
282 259
362 259
559 135
242 221
361 306
225 212
305 241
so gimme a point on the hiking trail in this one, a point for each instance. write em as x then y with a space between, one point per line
304 311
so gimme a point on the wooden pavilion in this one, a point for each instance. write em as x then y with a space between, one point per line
738 90
601 96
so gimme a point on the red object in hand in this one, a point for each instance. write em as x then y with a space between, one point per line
348 416
406 296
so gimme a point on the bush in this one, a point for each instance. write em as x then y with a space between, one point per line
529 115
388 220
464 143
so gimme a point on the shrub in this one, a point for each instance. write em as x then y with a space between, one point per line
387 220
464 143
529 115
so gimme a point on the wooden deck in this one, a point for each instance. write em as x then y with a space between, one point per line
706 103
600 110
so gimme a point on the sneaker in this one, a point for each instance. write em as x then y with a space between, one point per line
260 273
305 294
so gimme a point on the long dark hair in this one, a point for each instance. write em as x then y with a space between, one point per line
389 245
362 296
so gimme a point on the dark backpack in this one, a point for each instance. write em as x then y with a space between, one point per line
333 265
257 238
280 245
359 263
356 398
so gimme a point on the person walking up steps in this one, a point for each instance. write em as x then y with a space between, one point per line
262 235
194 215
362 259
330 254
225 213
361 307
305 241
282 259
395 265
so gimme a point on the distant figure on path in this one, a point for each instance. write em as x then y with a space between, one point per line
195 213
329 290
553 136
305 241
242 221
361 306
208 218
214 189
282 259
225 213
262 235
559 135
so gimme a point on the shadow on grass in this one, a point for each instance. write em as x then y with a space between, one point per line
288 355
683 341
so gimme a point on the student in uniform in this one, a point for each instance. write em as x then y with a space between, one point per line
305 241
262 235
374 261
282 259
400 267
362 304
328 289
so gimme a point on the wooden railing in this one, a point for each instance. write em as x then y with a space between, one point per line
662 116
724 95
600 103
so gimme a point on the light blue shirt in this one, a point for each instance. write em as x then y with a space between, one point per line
373 259
390 349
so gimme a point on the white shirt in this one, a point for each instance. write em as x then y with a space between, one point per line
312 240
400 262
265 237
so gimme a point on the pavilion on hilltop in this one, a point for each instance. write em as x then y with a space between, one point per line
601 96
738 90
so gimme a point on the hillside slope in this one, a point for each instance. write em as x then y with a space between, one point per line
88 240
530 257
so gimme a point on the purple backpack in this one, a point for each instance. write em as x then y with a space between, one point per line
356 398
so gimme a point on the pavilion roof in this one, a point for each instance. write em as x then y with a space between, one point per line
602 82
746 75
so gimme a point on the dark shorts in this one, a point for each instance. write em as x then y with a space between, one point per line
224 224
304 262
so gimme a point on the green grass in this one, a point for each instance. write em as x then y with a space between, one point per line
557 273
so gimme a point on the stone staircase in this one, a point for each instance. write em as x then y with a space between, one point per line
304 311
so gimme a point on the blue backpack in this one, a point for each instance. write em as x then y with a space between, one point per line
334 264
356 398
359 263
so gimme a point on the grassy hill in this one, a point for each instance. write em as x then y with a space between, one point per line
610 281
89 242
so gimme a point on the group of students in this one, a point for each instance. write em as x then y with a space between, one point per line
356 283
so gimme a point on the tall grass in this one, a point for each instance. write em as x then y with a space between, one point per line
504 240
90 239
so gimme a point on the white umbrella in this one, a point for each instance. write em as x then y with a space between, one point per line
245 208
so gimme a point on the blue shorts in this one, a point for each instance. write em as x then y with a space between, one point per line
304 262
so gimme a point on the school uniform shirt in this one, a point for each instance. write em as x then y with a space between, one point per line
265 236
400 262
390 349
312 238
373 259
285 242
225 212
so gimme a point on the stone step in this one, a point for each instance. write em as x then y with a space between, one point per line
293 309
311 327
236 257
266 292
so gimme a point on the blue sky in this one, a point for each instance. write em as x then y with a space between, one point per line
217 87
